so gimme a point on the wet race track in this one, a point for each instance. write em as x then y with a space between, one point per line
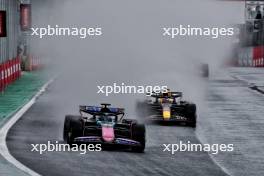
224 122
42 123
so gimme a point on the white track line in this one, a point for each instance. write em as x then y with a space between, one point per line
213 158
4 130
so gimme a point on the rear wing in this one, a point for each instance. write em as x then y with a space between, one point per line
166 95
97 110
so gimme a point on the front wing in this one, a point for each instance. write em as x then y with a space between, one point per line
116 141
173 118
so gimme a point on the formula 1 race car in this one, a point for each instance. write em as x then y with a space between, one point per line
168 107
104 125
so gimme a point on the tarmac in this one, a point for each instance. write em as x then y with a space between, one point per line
12 99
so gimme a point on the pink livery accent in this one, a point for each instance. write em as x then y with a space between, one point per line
108 133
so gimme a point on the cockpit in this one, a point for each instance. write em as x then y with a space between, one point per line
106 118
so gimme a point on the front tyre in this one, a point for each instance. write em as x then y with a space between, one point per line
72 128
139 134
191 114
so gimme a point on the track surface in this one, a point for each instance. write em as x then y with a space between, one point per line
44 122
231 118
235 116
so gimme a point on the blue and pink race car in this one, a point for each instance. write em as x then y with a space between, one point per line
104 125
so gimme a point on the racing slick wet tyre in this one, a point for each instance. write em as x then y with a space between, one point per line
138 134
191 114
72 128
193 123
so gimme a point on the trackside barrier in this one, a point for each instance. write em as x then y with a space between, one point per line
251 57
2 78
10 71
258 55
245 57
34 63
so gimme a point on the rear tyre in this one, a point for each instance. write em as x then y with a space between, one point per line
139 134
66 126
72 128
193 123
191 114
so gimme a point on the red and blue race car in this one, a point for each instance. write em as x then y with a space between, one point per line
168 107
